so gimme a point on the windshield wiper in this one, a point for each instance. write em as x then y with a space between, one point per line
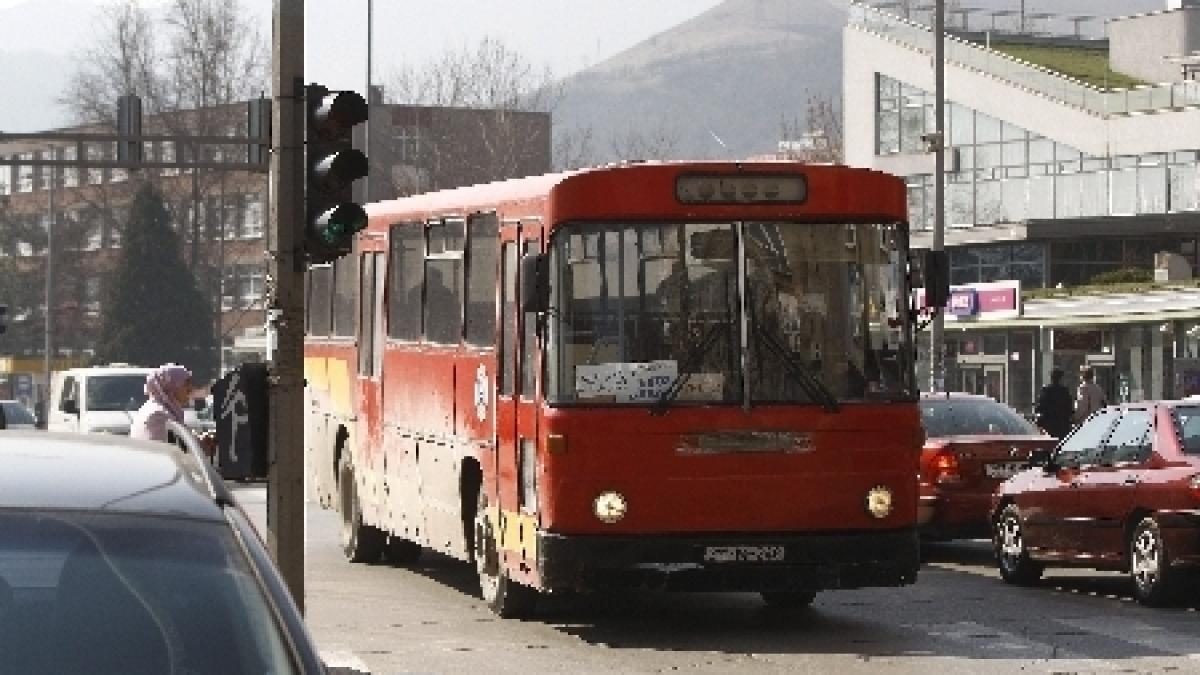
812 385
691 362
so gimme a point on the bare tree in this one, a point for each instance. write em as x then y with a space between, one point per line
501 127
818 136
192 62
656 141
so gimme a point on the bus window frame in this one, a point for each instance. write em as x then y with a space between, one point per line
443 255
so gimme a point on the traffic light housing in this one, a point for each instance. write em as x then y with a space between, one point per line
332 165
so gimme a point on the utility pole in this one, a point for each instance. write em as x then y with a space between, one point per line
937 365
48 358
285 304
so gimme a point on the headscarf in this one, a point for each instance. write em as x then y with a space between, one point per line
164 380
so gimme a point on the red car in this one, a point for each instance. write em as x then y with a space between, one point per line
973 443
1120 493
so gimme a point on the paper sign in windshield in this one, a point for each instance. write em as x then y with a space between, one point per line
625 382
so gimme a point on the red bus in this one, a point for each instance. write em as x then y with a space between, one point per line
692 376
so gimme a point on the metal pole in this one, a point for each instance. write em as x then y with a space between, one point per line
47 359
285 308
937 333
366 190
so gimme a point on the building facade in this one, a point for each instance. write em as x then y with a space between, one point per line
1063 188
220 216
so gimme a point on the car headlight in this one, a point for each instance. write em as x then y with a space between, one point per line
879 501
609 506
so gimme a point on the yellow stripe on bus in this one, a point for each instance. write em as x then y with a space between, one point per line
518 534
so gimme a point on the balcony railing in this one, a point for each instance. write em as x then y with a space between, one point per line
1056 86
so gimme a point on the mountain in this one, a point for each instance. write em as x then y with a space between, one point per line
733 73
737 72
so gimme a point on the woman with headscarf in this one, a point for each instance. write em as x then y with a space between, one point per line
168 389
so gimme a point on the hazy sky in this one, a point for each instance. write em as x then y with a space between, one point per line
564 34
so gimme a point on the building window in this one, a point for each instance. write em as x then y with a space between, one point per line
252 216
167 154
91 295
407 143
6 173
24 173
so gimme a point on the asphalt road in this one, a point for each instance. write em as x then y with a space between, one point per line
958 618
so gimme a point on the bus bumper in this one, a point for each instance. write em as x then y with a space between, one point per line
745 563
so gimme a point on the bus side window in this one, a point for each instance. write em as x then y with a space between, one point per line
320 295
406 275
508 330
482 248
345 292
528 346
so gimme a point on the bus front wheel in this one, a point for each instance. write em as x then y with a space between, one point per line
501 594
360 542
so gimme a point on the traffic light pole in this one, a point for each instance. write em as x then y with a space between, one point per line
285 488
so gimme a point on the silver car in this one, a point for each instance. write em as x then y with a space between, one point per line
123 556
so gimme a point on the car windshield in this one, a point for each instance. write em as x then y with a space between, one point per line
730 312
15 413
971 416
113 593
116 392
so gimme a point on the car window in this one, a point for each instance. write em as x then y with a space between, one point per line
1130 439
85 592
1083 446
1187 425
971 416
116 392
15 413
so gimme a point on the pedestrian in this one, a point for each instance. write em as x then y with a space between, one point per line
168 389
1088 398
1054 408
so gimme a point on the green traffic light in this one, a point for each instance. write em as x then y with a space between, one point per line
337 225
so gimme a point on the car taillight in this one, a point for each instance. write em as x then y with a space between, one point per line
945 467
1194 486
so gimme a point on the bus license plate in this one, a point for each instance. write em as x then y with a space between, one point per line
1003 469
731 554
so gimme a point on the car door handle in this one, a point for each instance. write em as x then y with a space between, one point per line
1132 480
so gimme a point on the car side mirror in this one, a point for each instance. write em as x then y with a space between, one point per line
937 280
71 406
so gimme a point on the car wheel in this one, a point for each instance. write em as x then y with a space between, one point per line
1012 558
501 594
360 542
788 599
401 551
1150 565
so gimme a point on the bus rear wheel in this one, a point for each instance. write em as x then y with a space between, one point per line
788 599
360 542
401 551
501 594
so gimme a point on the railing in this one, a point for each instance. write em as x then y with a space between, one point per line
1144 99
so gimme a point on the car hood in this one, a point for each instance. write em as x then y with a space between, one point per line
106 421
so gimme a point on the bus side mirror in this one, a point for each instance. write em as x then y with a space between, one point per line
937 280
535 282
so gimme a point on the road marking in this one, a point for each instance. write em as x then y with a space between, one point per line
343 662
1140 633
1002 644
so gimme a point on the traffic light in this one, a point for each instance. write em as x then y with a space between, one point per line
332 163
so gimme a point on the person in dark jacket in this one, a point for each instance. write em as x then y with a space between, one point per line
1055 406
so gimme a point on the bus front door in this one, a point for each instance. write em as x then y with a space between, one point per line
516 410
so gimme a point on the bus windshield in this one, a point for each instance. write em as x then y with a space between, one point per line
743 312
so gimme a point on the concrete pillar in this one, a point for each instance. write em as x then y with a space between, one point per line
1157 387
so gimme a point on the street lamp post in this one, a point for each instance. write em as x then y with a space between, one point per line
48 314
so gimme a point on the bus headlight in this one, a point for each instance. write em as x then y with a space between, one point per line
609 506
879 501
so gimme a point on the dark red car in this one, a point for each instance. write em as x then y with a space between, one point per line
973 443
1120 493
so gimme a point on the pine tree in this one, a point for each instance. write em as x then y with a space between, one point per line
153 310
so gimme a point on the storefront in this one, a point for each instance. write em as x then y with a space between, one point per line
1141 346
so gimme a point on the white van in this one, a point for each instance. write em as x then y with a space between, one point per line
101 399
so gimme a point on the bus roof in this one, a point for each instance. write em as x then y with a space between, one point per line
497 194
